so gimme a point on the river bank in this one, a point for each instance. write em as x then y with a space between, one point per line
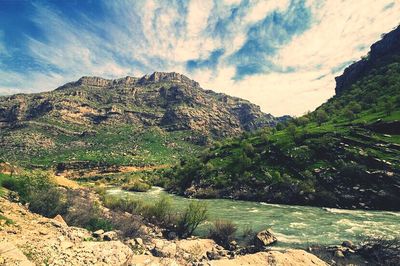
295 226
31 239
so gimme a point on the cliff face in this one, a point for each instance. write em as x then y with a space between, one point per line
170 101
382 52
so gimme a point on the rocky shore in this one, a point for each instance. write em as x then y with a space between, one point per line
31 239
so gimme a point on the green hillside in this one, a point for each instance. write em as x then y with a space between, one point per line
152 120
344 154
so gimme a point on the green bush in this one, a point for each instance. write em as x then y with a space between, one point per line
223 232
161 213
137 185
191 218
39 191
129 205
84 212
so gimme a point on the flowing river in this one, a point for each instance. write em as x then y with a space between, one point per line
294 226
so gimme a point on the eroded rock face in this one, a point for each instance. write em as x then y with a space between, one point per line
381 51
170 101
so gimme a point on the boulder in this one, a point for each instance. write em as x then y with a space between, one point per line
164 249
264 239
339 254
98 233
213 255
109 236
348 244
58 221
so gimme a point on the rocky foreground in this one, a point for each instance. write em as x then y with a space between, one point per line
31 239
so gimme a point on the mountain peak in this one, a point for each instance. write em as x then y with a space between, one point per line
155 77
168 76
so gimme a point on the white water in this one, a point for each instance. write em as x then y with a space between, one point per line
297 226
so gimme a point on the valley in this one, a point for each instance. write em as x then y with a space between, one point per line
169 173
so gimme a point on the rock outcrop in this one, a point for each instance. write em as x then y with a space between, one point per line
170 101
381 53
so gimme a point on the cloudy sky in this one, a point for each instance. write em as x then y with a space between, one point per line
281 55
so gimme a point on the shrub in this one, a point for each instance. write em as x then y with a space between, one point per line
223 232
85 212
39 191
137 185
161 212
129 205
48 202
248 235
191 218
129 226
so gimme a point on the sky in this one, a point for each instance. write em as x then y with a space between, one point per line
280 54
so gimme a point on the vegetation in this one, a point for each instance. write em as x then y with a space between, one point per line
162 213
329 157
223 232
39 191
191 218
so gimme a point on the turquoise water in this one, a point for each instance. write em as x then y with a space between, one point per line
294 226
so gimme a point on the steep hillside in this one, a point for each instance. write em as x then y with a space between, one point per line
147 120
344 154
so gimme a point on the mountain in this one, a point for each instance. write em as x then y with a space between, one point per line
345 154
130 120
381 53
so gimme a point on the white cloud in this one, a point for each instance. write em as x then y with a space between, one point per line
144 36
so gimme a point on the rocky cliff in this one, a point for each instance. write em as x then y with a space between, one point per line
170 101
381 53
152 119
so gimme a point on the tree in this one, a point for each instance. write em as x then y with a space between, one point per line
321 117
302 121
349 114
355 107
291 129
389 107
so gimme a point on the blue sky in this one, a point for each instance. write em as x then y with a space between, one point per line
282 55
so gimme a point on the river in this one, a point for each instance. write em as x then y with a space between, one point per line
294 226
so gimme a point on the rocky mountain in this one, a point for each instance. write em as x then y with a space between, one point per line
168 107
168 100
382 52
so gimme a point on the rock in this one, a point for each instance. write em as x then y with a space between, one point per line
339 254
264 239
164 249
348 244
11 255
98 233
139 241
66 244
233 245
171 235
58 221
213 255
291 257
109 236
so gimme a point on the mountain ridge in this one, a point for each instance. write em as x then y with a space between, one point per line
167 103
